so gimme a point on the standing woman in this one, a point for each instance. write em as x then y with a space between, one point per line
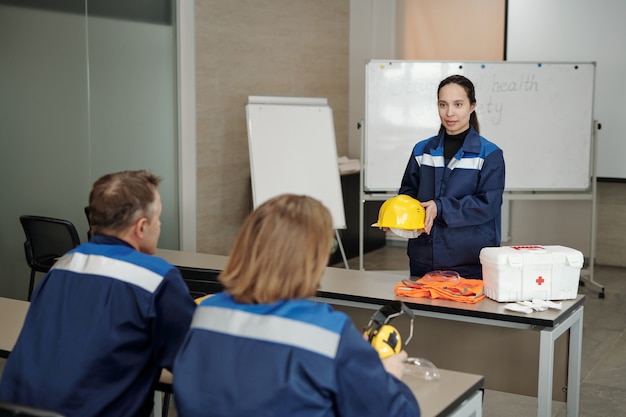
262 348
458 176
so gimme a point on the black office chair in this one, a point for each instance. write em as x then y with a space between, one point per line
89 234
46 240
12 410
201 282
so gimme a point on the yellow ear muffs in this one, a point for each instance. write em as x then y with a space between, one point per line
386 341
384 337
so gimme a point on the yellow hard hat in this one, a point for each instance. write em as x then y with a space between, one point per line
386 341
401 212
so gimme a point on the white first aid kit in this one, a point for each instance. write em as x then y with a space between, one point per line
522 273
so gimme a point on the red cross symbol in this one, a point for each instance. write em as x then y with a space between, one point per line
540 280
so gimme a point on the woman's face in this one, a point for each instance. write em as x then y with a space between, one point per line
454 108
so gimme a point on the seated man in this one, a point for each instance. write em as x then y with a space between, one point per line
108 316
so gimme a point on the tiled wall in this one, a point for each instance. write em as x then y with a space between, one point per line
258 48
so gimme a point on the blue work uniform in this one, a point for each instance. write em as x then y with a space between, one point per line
101 325
290 358
468 194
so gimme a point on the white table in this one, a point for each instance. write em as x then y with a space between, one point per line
360 289
12 316
371 290
456 393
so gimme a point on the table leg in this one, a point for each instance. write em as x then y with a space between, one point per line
573 369
546 373
547 340
157 410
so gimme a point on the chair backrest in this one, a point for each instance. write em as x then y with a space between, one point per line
12 410
201 282
47 239
89 234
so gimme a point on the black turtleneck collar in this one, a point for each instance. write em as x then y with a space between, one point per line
452 144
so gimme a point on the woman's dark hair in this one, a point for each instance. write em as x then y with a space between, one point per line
468 86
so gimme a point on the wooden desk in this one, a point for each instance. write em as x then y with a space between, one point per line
369 290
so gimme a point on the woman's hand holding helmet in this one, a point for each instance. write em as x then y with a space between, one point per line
431 214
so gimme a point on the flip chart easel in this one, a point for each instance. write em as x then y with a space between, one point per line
293 150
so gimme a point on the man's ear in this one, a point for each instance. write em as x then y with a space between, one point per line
140 227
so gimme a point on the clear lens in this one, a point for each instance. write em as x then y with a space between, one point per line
422 368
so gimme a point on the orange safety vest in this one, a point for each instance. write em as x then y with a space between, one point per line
464 290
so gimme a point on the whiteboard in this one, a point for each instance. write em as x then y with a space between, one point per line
540 114
293 150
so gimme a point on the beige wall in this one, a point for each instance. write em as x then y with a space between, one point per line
440 29
258 48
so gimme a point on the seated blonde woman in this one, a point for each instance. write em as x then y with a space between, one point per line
262 348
